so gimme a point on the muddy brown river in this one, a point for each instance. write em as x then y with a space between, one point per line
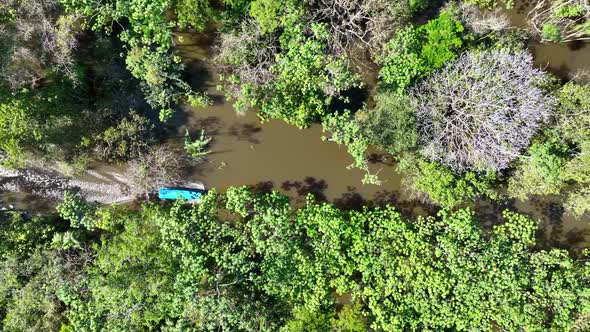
275 155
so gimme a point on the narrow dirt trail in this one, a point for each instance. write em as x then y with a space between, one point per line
51 184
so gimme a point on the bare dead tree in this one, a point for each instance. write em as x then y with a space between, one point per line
369 22
483 21
246 55
571 17
38 36
482 111
163 165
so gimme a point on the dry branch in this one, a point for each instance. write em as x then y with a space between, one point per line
482 111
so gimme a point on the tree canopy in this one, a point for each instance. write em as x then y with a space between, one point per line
241 261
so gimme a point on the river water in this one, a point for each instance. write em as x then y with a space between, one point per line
275 155
564 60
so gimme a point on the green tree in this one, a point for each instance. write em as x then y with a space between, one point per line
307 80
29 288
246 262
391 125
21 234
30 120
435 274
442 41
269 14
124 265
444 187
128 139
539 171
149 39
290 75
401 64
573 112
416 52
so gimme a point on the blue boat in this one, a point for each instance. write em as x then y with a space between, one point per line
188 194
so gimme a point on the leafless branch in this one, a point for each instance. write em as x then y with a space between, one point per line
482 111
545 12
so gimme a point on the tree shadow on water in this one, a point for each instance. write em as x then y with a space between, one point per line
245 132
380 158
410 209
309 185
211 125
263 187
350 200
555 230
198 75
577 45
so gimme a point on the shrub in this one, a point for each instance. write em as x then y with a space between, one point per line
391 125
551 32
481 112
560 20
346 131
196 149
126 140
442 186
577 202
491 3
161 166
570 11
539 172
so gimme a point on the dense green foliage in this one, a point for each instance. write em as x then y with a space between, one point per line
391 125
244 262
417 52
149 37
442 186
306 79
456 101
561 160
